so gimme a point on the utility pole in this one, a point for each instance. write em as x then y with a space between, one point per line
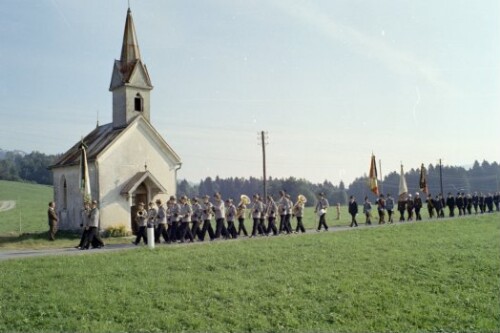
263 137
441 176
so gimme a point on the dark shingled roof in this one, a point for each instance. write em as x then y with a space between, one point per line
96 141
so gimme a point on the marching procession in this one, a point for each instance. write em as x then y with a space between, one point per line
189 219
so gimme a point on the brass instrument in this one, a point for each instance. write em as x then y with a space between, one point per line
244 199
301 200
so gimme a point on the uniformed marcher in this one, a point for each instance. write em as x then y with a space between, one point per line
288 213
459 201
152 214
298 211
271 212
220 212
84 216
410 204
438 205
185 213
389 206
321 209
468 204
206 217
230 217
367 210
482 206
450 202
381 209
282 210
257 210
401 209
430 205
176 218
240 215
196 218
142 221
161 223
93 228
475 202
417 205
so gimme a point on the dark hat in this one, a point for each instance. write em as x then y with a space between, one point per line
94 202
158 201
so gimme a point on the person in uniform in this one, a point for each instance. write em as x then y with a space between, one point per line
321 209
468 204
459 201
401 209
169 220
185 214
176 219
262 220
161 223
496 201
196 218
84 216
142 220
298 211
230 216
389 206
206 217
53 219
271 211
475 202
417 205
438 205
450 202
488 201
367 210
93 228
288 213
482 206
381 209
410 204
240 214
256 212
220 212
152 215
282 210
353 210
430 205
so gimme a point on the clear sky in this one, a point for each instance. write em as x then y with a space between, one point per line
331 81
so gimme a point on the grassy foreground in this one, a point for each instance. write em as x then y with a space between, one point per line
439 276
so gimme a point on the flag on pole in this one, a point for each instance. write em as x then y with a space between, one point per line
403 188
423 180
372 181
84 174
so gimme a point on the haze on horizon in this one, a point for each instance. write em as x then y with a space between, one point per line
330 81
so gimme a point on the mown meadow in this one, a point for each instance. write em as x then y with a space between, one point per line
413 277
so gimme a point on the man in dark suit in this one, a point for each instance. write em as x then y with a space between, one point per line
53 219
353 210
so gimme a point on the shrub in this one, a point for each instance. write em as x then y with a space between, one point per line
116 231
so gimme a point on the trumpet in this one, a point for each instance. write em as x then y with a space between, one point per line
301 200
140 213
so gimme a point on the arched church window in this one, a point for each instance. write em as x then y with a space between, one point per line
138 103
64 186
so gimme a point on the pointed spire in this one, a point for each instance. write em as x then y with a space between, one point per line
130 46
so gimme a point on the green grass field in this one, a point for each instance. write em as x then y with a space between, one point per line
30 213
415 277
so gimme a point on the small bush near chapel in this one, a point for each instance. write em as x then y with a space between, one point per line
116 231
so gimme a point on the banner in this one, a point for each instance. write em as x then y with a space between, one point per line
84 174
423 180
372 181
403 188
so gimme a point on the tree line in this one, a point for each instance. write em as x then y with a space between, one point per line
482 177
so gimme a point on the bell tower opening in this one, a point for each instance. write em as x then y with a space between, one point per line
138 103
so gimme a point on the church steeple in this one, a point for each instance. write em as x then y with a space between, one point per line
130 82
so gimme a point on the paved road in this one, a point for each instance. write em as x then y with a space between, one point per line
19 254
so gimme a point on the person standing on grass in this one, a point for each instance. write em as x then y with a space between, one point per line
353 210
256 211
53 219
240 214
298 211
93 228
185 213
389 205
288 213
438 205
450 202
367 210
468 205
321 209
475 202
220 213
142 220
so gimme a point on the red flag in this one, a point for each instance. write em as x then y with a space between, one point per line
372 182
423 180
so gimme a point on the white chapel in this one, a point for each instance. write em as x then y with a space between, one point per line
128 160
